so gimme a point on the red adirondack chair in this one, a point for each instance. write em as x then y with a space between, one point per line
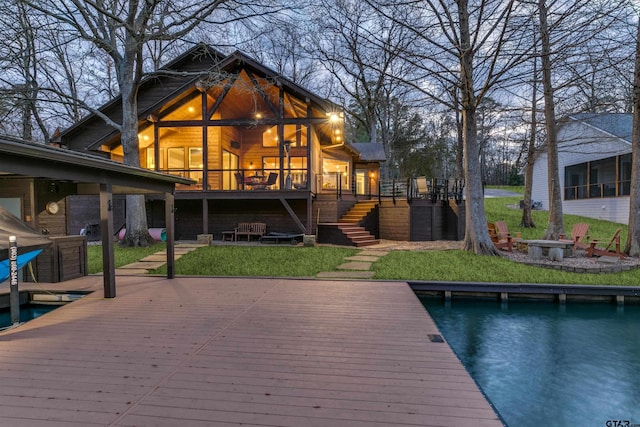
579 236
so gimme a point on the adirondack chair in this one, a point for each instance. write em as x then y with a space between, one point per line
579 236
503 230
612 249
505 242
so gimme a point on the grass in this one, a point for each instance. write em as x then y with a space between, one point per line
452 265
498 209
276 261
122 256
463 266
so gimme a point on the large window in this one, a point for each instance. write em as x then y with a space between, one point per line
230 164
608 177
335 174
295 176
296 135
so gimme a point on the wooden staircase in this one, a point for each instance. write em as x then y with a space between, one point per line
347 231
358 236
359 211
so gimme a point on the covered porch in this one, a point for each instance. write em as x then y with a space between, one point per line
35 180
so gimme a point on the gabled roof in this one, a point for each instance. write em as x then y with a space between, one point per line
171 81
618 125
198 53
369 151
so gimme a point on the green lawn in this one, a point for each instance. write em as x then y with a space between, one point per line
453 265
462 266
276 261
122 256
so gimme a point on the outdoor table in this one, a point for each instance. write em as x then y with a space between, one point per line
556 249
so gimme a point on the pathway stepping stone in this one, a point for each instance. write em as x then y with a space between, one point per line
362 258
356 265
143 265
373 253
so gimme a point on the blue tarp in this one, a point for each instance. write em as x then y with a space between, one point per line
22 261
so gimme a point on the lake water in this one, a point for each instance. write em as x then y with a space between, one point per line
27 312
546 364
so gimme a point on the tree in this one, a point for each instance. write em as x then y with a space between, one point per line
555 226
632 245
362 65
123 29
464 48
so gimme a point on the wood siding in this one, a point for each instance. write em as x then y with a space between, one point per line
395 220
85 210
20 189
65 259
579 144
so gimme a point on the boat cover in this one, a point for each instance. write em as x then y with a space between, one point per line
30 242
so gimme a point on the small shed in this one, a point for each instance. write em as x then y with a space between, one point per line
35 175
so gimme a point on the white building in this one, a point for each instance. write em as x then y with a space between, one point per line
594 161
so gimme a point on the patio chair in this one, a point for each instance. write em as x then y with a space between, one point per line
612 249
422 187
579 236
502 230
239 179
271 179
505 242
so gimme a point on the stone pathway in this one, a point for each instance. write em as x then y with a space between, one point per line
355 267
157 260
359 266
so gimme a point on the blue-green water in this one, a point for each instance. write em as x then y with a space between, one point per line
27 312
545 364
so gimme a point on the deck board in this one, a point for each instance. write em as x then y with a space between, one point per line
203 351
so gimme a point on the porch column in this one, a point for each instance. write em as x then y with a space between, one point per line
205 216
106 229
169 215
309 213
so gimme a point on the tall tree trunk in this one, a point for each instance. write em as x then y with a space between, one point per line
476 236
555 227
527 218
137 233
632 246
460 140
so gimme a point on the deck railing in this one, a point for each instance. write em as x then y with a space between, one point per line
598 190
241 179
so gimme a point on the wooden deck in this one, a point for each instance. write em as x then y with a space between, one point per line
235 351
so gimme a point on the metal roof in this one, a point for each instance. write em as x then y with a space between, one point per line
616 124
24 158
370 151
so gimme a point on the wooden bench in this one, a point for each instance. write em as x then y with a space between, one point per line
250 229
556 249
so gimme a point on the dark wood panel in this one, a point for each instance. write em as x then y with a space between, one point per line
394 221
19 188
85 209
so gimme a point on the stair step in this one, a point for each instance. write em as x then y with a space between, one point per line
367 243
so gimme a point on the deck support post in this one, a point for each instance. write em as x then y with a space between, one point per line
106 229
293 215
620 299
205 216
169 215
562 298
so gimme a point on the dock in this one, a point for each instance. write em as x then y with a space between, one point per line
235 351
